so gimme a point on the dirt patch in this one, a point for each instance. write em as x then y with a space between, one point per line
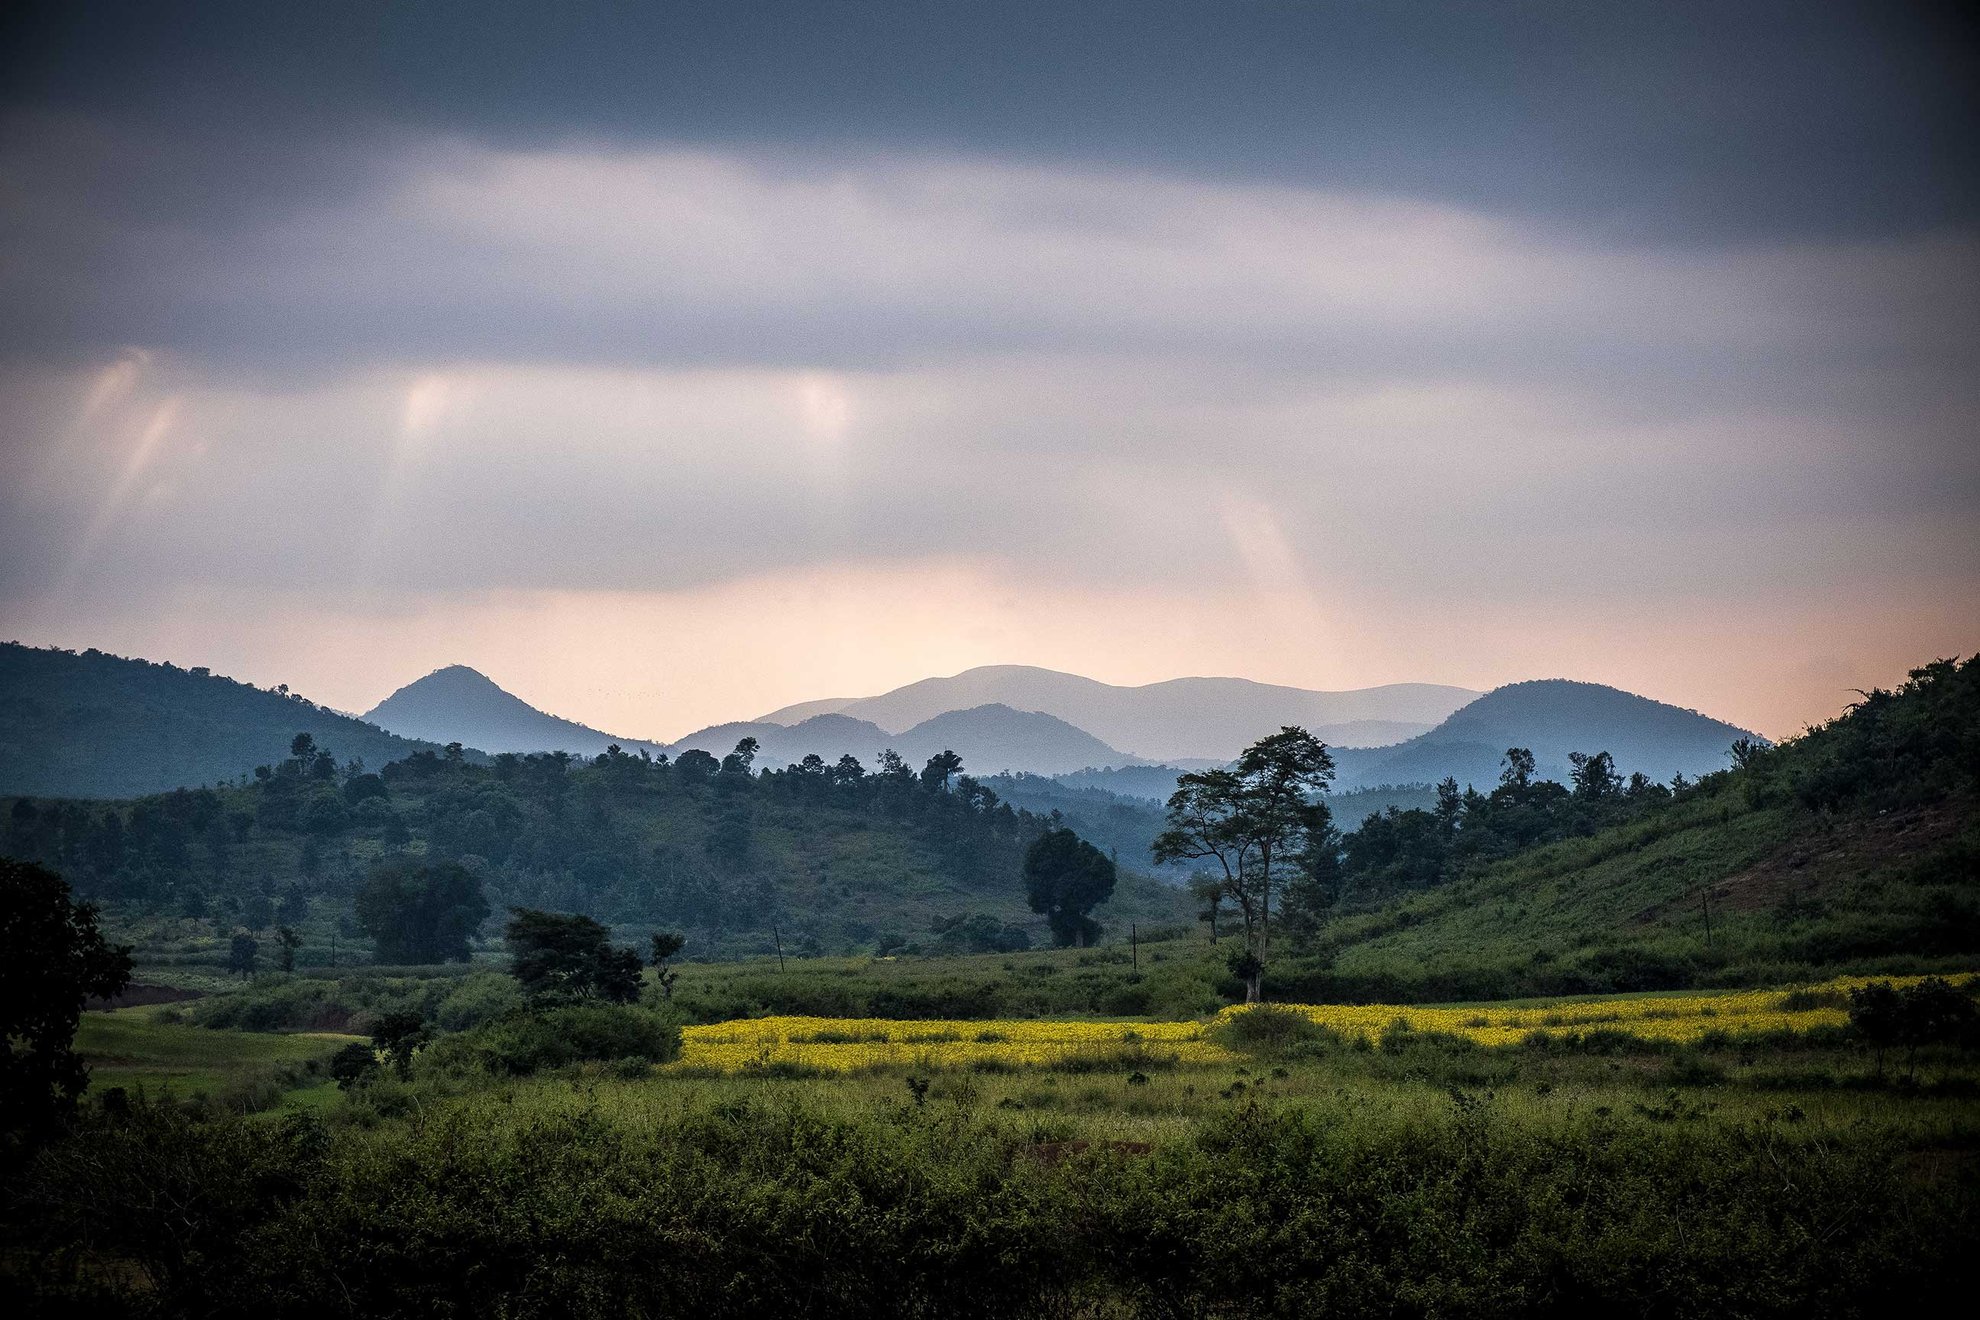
1822 857
140 993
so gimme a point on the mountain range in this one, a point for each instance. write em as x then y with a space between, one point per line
101 726
1182 719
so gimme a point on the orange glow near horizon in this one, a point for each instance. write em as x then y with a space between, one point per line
659 665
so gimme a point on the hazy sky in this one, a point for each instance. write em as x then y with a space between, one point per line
672 363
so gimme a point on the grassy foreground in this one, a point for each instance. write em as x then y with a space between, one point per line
1290 1164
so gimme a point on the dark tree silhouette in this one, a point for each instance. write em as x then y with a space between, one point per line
1065 878
52 959
421 914
567 956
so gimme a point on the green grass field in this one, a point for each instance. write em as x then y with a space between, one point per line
131 1048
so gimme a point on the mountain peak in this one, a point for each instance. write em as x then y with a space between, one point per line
459 703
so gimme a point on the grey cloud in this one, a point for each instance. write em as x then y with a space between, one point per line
1759 120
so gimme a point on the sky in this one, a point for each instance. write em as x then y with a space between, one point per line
672 363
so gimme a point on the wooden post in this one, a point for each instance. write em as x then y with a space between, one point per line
778 936
1134 945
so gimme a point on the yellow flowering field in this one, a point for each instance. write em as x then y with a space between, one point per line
1672 1018
856 1044
853 1044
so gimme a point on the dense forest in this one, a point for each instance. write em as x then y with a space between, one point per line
92 725
812 857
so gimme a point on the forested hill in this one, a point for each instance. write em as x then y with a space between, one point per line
1855 846
93 725
1551 718
833 858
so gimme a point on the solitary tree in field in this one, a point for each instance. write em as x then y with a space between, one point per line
52 959
666 944
1065 878
242 956
567 956
1256 821
287 941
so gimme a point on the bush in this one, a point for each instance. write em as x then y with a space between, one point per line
530 1042
1265 1029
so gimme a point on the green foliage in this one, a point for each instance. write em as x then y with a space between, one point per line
92 725
565 956
1266 1029
1260 823
421 914
52 958
538 1040
1065 878
1930 1012
352 1065
838 859
552 1203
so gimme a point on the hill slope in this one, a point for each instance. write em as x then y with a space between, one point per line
1550 717
1182 718
1854 847
996 738
778 745
102 726
459 704
988 738
821 862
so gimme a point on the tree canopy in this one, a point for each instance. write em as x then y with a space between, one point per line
1256 821
564 956
421 913
1065 878
52 960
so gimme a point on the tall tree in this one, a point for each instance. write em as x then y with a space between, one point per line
421 914
1065 878
243 954
1255 820
666 943
941 767
52 959
558 956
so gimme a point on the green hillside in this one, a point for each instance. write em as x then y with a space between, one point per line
1857 844
91 725
825 860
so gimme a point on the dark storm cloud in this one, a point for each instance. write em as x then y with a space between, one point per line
1706 120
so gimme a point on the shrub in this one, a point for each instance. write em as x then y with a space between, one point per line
1265 1029
530 1042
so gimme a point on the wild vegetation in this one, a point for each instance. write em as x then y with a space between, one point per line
552 1127
807 858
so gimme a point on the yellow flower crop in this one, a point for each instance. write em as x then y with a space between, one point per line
857 1044
1671 1018
854 1044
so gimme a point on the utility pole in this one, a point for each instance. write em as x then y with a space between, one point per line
1134 946
777 935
